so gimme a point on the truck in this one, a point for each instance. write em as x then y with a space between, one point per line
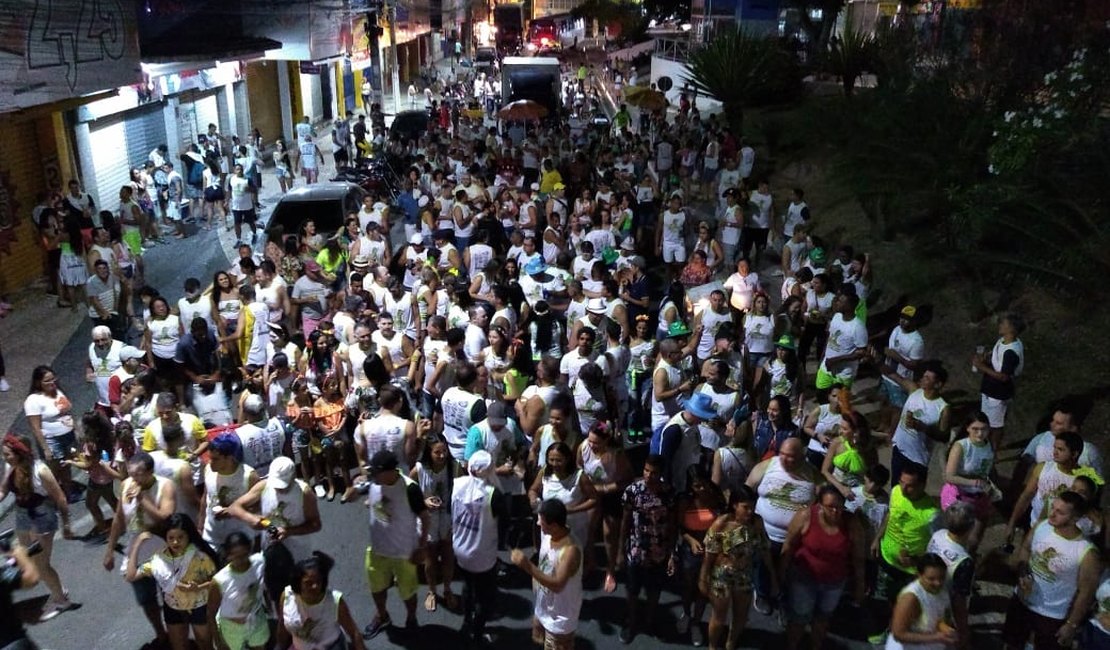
536 78
508 19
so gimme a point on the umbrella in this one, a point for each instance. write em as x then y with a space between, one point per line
522 109
645 98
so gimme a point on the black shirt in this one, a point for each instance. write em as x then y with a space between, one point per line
198 357
1001 389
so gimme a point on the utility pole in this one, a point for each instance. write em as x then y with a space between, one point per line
391 12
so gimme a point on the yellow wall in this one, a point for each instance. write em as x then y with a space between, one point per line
264 98
29 148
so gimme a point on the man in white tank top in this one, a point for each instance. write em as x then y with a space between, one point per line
558 584
286 509
951 544
1048 480
1059 574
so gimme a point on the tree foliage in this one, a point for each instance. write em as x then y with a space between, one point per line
997 167
742 70
849 56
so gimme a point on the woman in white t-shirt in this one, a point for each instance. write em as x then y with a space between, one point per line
160 339
49 413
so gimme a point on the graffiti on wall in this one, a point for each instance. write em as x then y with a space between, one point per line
56 49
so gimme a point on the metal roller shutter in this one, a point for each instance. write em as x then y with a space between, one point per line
224 125
207 112
120 143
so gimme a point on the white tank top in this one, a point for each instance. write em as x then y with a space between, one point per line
134 518
758 331
1054 562
358 357
480 256
1051 484
269 295
826 420
313 627
933 610
735 465
780 497
394 348
393 524
949 550
223 490
457 405
557 612
285 509
661 411
241 594
976 463
417 260
384 431
600 468
171 470
550 250
473 529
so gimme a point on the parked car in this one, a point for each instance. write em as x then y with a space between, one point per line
410 125
485 58
326 204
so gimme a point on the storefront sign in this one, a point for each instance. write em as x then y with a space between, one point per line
58 49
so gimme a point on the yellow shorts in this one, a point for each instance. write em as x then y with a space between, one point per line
382 572
237 636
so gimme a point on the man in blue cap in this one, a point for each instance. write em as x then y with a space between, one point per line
679 442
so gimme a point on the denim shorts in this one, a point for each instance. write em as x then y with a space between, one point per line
62 446
808 598
894 393
41 520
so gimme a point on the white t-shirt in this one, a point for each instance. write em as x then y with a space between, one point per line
1040 449
913 443
761 216
54 411
241 198
908 344
845 337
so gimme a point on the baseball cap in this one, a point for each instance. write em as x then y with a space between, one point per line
558 186
416 240
129 352
677 328
497 414
282 471
629 244
909 311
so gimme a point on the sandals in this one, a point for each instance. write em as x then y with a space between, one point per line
430 602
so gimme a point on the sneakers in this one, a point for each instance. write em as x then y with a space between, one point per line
376 627
55 607
878 640
4 385
683 625
763 605
320 491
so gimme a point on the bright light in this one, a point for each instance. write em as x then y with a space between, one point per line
687 27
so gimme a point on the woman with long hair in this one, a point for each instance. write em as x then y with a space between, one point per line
310 615
98 450
562 479
73 273
433 473
283 165
331 419
213 194
559 428
183 571
672 309
49 414
850 454
38 502
697 509
226 308
495 357
734 545
602 458
545 332
733 462
533 407
967 473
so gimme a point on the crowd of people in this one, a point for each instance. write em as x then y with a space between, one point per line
595 353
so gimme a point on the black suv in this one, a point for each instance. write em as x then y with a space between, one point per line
326 204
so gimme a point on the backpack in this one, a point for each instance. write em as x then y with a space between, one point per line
196 174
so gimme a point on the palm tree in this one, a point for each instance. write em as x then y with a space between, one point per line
740 69
849 56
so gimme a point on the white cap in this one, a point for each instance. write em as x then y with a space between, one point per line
282 471
254 404
423 201
129 352
416 239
